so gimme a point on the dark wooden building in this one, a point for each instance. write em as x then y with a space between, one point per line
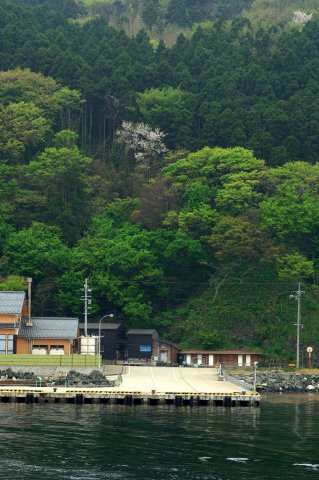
142 344
113 341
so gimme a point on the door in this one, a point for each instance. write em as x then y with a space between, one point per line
163 356
248 360
240 360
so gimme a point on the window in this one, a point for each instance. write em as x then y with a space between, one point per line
10 344
6 344
3 342
145 348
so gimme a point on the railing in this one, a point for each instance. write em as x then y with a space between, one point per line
238 383
18 360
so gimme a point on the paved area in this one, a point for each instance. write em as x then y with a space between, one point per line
174 380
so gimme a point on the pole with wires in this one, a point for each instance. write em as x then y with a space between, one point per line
297 296
87 305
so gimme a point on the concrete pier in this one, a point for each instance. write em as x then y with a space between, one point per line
144 386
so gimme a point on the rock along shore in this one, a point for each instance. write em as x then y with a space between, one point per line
73 377
280 381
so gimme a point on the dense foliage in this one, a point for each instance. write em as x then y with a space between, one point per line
182 181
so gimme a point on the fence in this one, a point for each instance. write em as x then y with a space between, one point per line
239 383
49 360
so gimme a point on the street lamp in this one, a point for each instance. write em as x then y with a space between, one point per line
111 315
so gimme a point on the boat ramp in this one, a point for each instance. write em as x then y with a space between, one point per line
139 385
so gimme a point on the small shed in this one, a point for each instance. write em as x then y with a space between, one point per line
168 352
214 358
48 336
113 341
13 307
142 344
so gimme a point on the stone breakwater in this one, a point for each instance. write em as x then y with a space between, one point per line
279 381
72 377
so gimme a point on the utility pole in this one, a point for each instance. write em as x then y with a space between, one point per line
297 296
87 305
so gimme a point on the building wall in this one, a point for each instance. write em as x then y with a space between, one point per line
141 346
235 360
9 319
24 345
168 351
226 359
16 317
8 336
25 311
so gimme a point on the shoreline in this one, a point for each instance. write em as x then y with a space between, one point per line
279 381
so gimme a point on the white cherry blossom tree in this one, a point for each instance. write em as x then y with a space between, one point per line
301 18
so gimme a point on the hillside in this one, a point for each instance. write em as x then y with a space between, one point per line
166 19
163 19
181 181
263 14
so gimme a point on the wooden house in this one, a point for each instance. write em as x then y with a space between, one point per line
214 358
13 309
48 336
142 344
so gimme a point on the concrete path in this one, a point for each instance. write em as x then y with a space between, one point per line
169 380
174 380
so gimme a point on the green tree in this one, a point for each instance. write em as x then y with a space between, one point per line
170 110
291 212
22 127
37 251
295 267
60 175
13 282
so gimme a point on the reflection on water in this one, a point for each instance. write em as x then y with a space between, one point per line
95 442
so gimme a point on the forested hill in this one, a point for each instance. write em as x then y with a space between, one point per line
182 181
165 19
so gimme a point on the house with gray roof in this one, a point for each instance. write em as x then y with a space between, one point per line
13 308
11 303
48 335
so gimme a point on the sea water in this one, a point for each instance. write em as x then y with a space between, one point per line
278 440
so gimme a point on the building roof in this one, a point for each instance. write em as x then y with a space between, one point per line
51 327
141 331
11 302
164 342
104 326
219 352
